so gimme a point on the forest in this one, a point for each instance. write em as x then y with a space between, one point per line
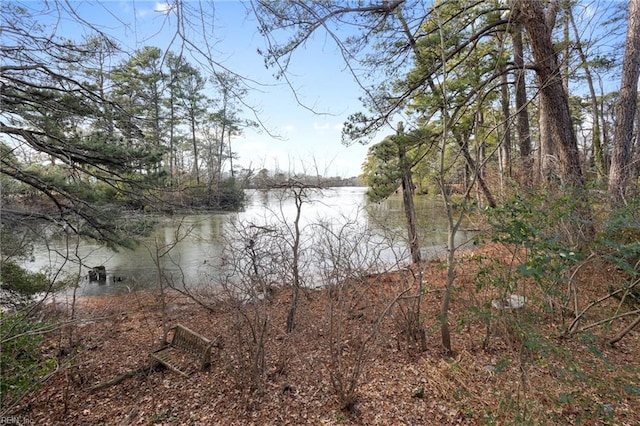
517 116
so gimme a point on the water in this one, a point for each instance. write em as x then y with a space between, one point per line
189 249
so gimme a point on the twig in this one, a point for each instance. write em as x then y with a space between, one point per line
574 323
597 323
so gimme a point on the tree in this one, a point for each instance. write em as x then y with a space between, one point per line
389 167
554 103
552 92
522 112
381 171
301 193
598 152
227 119
193 104
139 86
176 65
48 109
626 108
441 83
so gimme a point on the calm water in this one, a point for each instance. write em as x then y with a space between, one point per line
198 253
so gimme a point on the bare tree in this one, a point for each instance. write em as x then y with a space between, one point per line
350 262
300 193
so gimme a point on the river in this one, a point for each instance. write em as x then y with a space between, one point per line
196 241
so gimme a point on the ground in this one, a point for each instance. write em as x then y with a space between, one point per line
350 358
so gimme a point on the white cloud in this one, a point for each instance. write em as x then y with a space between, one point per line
326 127
159 7
163 7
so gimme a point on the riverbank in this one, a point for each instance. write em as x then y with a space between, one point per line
522 372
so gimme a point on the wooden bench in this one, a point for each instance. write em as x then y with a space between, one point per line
187 351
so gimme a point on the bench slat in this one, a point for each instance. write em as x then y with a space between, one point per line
186 341
164 357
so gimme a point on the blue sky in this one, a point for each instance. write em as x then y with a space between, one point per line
307 140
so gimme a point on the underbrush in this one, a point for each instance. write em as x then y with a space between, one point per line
535 323
557 312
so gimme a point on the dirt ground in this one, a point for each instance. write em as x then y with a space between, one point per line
352 357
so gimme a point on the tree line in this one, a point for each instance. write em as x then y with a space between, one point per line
86 123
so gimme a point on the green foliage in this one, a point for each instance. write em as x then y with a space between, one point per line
229 196
21 361
19 285
539 268
99 131
381 171
535 223
620 238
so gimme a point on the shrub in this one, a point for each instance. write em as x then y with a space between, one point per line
19 285
620 237
537 224
21 361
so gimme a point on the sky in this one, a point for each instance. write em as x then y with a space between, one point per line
307 141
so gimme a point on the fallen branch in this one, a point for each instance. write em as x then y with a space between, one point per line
574 323
624 332
145 369
608 320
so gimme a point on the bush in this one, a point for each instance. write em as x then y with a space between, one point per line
620 238
537 224
229 196
19 285
21 361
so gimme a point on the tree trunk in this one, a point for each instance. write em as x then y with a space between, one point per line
221 149
172 125
524 130
635 171
548 161
626 108
505 146
297 281
464 148
409 208
194 141
555 101
598 154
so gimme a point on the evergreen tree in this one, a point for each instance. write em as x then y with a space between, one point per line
49 110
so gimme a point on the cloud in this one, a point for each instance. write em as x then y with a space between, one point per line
143 12
327 126
163 7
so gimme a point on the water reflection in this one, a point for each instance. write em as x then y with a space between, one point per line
189 249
